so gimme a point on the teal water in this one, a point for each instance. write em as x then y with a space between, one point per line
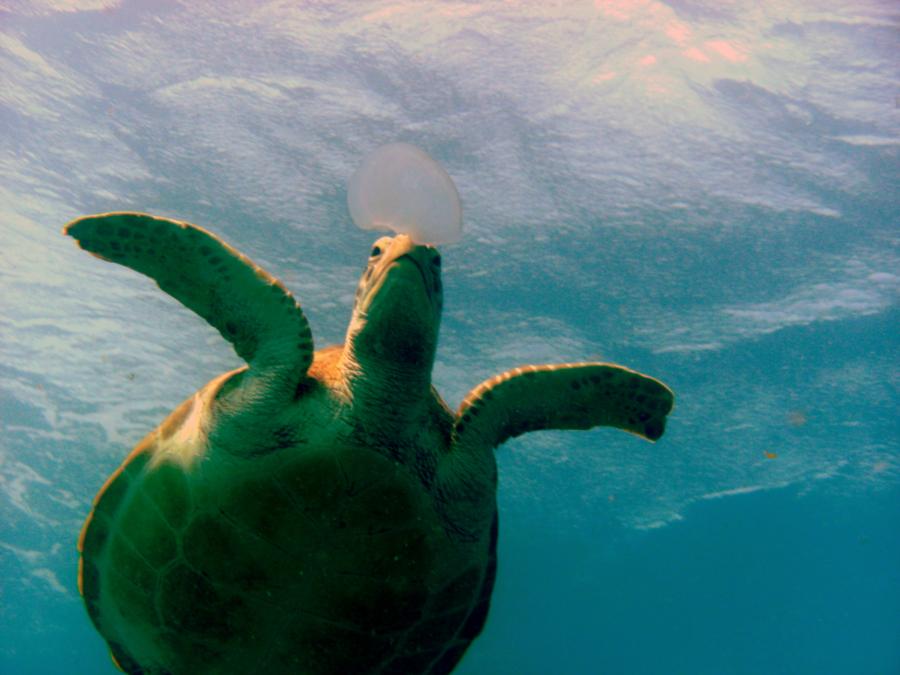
707 195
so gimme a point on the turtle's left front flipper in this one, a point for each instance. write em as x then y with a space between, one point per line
530 398
564 396
248 306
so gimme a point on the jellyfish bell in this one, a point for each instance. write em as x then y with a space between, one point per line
400 188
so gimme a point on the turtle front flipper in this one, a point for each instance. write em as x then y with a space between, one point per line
248 306
531 398
564 396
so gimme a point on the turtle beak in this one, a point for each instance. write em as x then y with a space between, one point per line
398 306
401 247
404 261
426 259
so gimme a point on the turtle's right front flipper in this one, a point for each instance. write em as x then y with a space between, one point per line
248 306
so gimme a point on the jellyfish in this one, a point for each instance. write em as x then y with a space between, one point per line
400 188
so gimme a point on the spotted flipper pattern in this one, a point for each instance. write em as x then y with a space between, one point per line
248 306
530 398
564 396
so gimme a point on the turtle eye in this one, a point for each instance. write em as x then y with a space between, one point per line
376 251
436 260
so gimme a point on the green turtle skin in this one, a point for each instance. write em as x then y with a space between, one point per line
316 512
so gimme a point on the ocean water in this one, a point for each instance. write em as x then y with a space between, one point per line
706 192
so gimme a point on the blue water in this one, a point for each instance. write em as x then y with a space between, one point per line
705 193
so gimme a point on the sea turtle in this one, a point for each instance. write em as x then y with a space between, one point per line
316 512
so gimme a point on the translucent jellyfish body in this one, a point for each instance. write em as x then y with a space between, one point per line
399 187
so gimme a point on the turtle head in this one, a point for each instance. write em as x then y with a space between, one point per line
398 306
